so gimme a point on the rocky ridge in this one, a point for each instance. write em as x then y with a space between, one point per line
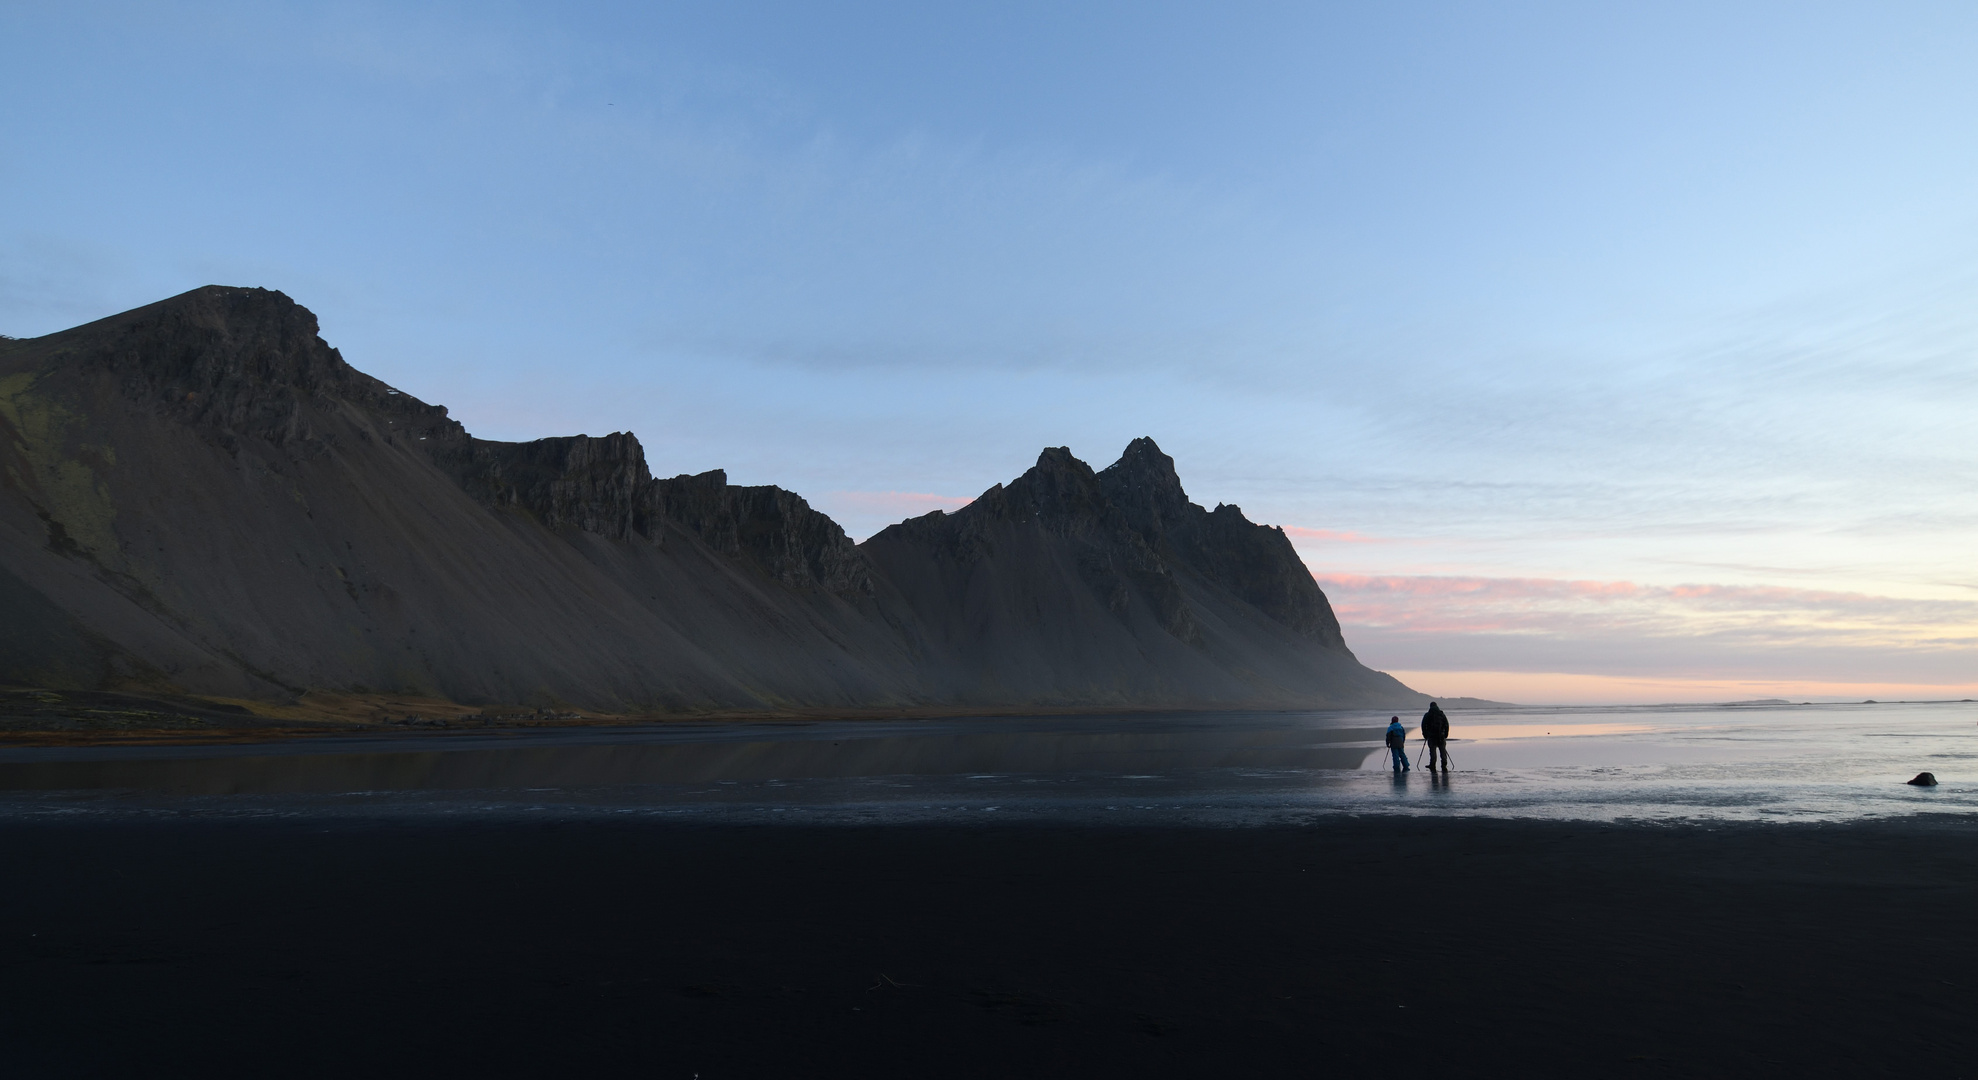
602 485
203 495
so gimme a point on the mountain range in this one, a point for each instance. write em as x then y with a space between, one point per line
202 497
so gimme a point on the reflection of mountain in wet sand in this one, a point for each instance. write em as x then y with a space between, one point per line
753 753
201 495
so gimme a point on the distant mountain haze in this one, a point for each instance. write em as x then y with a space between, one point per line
202 496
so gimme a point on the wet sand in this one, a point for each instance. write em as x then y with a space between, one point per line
1353 946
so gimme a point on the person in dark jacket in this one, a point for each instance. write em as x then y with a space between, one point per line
1435 732
1397 744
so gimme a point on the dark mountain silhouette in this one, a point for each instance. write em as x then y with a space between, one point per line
201 496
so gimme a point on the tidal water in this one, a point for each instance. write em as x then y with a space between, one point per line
1651 763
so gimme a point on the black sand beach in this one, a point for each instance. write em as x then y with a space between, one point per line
1351 947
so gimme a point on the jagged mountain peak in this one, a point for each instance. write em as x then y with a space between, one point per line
1142 485
1144 461
1136 525
1145 488
1060 491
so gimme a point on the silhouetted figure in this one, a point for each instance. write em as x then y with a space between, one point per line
1435 732
1397 744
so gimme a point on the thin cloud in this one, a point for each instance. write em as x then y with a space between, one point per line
1424 622
1333 536
1562 688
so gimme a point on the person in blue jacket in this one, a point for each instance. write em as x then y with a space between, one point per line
1397 744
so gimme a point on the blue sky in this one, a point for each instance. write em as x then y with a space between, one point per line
1591 352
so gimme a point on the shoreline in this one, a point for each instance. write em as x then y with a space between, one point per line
104 718
28 718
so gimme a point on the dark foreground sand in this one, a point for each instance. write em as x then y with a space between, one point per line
1356 947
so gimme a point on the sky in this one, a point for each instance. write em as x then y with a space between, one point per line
1592 353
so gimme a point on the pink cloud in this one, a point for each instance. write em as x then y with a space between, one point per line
1300 532
1562 608
1479 587
1566 688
